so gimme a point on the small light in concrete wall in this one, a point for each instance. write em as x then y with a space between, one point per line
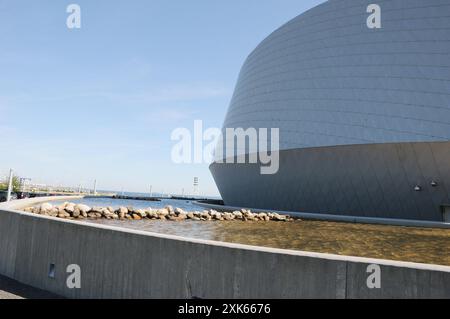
418 188
51 271
434 184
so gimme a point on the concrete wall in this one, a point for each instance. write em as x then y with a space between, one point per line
119 263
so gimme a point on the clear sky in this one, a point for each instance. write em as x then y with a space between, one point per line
101 102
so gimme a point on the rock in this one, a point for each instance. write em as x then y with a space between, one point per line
205 215
45 207
228 216
163 212
179 211
81 211
70 208
62 206
97 209
170 209
140 212
53 212
212 212
76 212
237 214
105 212
249 216
63 214
279 217
149 212
82 208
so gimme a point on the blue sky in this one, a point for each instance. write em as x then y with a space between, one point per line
101 102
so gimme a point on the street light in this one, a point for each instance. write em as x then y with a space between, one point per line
8 196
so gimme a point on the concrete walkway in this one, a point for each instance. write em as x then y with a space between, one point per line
11 289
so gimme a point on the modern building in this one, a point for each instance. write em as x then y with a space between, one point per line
363 113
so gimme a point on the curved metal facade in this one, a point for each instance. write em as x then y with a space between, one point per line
333 86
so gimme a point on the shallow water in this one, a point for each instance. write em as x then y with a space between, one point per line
423 245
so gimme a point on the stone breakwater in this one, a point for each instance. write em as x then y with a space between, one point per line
80 211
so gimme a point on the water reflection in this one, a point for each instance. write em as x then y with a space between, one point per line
423 245
373 241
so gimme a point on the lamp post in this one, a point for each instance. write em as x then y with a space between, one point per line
196 192
10 185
